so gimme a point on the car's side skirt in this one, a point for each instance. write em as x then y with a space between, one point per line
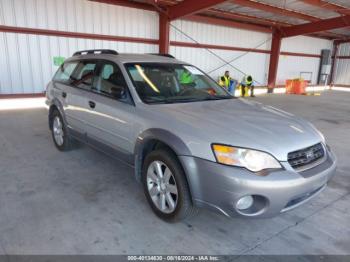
113 152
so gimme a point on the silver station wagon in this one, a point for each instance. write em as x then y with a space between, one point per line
190 142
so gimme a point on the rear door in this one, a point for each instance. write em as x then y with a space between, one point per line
76 96
111 120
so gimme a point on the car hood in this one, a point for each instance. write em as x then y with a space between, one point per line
244 123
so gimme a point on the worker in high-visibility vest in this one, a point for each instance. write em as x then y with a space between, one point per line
228 82
186 78
248 82
225 80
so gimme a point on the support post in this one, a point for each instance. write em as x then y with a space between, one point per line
334 63
274 57
164 31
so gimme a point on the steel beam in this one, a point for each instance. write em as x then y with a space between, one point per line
274 57
219 47
319 26
127 3
46 32
342 41
274 9
244 18
164 31
329 6
189 7
227 23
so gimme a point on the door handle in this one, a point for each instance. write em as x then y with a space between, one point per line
92 104
64 94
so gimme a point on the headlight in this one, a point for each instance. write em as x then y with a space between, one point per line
253 160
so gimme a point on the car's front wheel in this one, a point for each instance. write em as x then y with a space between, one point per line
166 187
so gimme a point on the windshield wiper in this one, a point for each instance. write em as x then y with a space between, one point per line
214 97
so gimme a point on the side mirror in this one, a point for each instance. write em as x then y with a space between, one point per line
118 92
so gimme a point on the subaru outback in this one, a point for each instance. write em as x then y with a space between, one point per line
190 142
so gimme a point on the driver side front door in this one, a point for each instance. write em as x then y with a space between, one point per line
110 121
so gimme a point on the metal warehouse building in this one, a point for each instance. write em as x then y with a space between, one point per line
175 130
239 32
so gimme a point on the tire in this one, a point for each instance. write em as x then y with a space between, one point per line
173 184
59 129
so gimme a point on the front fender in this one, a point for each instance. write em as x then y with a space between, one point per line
162 135
55 103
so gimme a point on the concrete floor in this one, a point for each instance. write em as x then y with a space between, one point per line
84 202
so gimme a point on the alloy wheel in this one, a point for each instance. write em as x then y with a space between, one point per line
162 186
57 129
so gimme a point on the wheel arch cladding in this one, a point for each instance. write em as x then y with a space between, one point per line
149 138
56 105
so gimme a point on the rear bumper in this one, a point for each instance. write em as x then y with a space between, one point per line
219 187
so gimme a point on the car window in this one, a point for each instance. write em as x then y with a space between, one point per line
109 80
64 73
173 83
83 74
107 71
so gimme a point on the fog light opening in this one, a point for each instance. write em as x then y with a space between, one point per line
244 202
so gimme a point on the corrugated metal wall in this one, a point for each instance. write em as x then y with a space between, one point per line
26 63
252 63
79 16
342 74
291 66
255 64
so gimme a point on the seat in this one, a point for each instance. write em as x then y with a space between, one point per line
115 80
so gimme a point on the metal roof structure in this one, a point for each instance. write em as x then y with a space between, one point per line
259 15
329 19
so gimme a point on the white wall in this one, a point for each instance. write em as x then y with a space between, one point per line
291 66
255 64
252 63
342 73
79 16
26 63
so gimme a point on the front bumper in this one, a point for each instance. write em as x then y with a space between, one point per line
219 187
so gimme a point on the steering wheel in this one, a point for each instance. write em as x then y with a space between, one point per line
186 90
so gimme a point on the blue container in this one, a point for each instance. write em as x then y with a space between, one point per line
232 87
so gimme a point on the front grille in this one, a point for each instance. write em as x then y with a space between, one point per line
307 156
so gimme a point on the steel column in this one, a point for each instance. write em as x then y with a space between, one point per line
164 31
274 57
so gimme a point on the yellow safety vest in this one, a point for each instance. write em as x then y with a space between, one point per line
248 82
225 81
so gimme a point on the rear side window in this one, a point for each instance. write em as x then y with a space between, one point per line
83 75
64 73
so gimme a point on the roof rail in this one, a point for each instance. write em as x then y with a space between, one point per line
166 55
96 51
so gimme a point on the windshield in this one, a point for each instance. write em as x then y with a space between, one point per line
173 83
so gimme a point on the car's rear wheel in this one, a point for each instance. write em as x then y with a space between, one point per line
166 187
59 132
